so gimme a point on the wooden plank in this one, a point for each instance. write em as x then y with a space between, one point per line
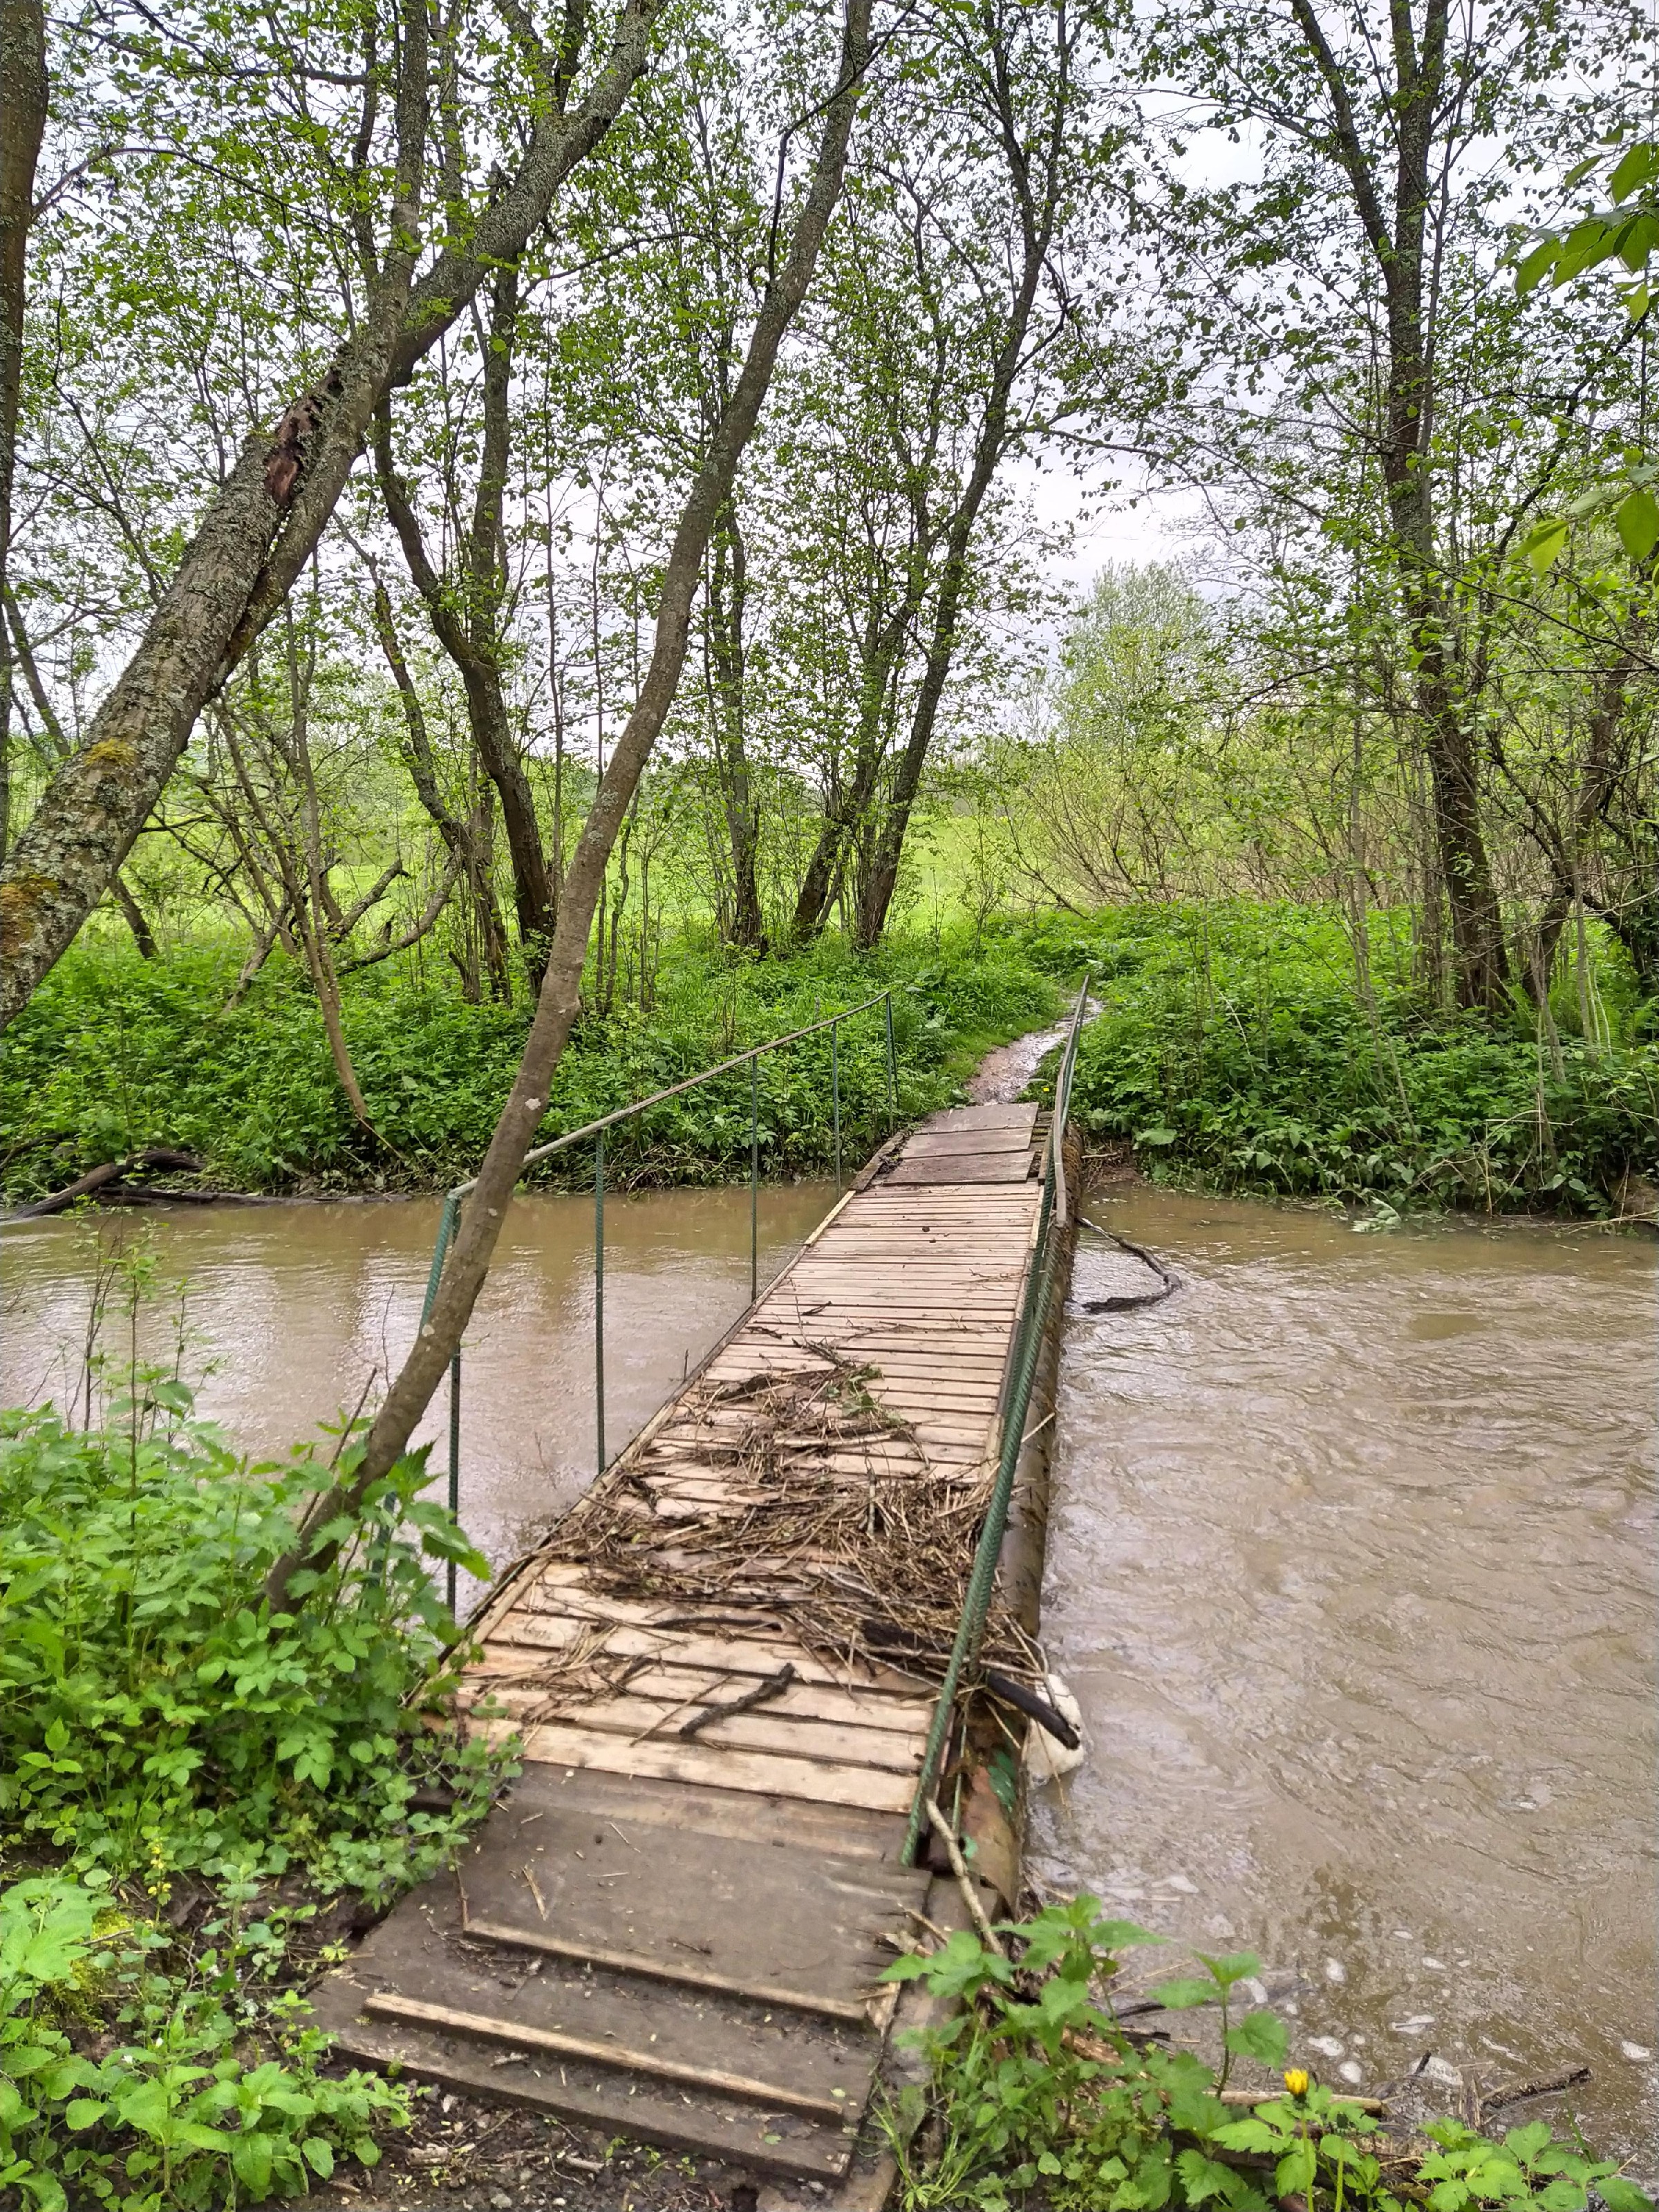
1021 1115
963 1167
687 1977
882 1709
389 2005
549 1631
775 1829
768 1774
640 1720
787 2143
929 1144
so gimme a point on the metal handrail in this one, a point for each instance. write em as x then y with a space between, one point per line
595 1130
1024 1352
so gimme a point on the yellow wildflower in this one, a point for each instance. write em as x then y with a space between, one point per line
1295 2081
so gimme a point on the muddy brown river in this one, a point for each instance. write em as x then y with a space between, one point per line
1351 1569
1351 1565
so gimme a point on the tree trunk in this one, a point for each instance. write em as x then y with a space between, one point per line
481 1217
1480 958
458 832
23 94
725 603
251 544
841 818
467 624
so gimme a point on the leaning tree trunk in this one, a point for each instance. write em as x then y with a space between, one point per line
263 522
480 1224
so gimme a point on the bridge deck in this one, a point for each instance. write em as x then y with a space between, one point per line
722 1667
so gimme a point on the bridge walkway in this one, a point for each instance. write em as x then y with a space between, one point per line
723 1665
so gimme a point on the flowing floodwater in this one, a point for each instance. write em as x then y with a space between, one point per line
292 1309
1351 1569
1350 1566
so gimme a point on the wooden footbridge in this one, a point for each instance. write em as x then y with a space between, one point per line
741 1672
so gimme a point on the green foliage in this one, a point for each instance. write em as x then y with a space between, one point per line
177 2114
115 1053
1234 1046
1040 2096
154 1716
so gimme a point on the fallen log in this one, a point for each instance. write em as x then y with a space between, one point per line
113 1171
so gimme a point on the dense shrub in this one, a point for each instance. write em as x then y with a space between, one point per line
1233 1047
115 1053
154 1715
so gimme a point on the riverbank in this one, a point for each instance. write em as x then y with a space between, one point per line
1238 1047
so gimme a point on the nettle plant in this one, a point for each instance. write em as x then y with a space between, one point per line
180 2113
156 1717
1039 2095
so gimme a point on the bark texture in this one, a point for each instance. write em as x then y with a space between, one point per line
1397 240
23 95
253 541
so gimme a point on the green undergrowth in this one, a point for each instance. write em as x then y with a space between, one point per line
137 2073
115 1054
1235 1048
1238 1045
1037 2097
199 1797
155 1717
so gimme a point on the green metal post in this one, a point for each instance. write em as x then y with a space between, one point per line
439 1251
754 1179
834 1092
892 1066
454 1463
598 1297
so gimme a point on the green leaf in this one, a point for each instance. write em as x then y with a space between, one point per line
318 2155
84 2112
1260 2035
1203 2177
1533 267
1638 166
1546 543
1236 1966
251 2158
1180 1995
1638 522
1621 2196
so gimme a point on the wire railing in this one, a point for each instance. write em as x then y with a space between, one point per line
1024 1354
594 1132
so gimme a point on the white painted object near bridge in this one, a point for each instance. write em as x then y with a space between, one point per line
1046 1758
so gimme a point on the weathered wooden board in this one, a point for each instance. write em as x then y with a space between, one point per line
769 1773
980 1117
963 1167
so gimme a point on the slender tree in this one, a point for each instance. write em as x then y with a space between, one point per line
23 94
481 1216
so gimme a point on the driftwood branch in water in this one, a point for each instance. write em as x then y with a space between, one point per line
1034 1706
773 1686
1547 2087
1168 1281
111 1172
